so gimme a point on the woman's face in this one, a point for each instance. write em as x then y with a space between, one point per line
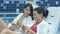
36 15
27 11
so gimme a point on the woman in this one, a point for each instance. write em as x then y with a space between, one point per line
40 26
23 18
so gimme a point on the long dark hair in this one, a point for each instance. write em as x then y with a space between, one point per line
31 9
42 10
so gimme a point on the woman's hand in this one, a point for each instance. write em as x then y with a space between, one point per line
23 28
29 30
14 26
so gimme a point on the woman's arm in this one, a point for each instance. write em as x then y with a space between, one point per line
18 24
2 25
8 31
